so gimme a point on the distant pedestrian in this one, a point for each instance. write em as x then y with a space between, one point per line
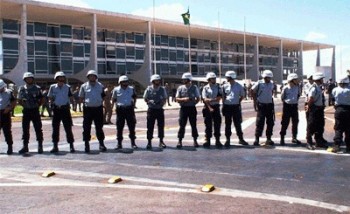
76 99
124 97
187 96
46 104
91 95
168 91
107 105
60 96
31 98
331 85
155 96
7 104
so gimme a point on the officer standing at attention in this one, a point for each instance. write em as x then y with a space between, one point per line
155 96
30 97
212 95
233 94
60 96
7 104
315 109
187 96
263 96
341 95
91 95
290 97
124 97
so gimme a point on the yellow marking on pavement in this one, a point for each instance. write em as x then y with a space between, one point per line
47 174
114 179
208 188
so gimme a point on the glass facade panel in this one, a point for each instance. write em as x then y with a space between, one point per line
78 66
9 63
130 66
10 44
101 51
30 29
10 26
54 49
130 52
120 53
121 68
139 39
41 65
40 47
120 37
78 33
66 31
67 65
139 53
40 29
78 50
172 42
53 31
111 67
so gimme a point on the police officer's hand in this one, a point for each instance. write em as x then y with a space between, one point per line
306 108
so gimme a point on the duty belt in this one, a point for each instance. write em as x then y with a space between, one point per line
61 107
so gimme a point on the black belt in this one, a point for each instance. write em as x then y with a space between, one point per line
124 107
61 107
347 107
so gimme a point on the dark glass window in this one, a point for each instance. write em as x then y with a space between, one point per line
137 66
87 49
67 64
185 43
157 54
172 55
40 47
78 50
110 36
130 66
130 52
66 31
10 44
120 37
164 68
10 26
180 55
87 33
139 39
41 65
172 42
30 30
194 43
101 52
9 62
31 67
53 31
66 47
164 40
120 53
78 33
179 42
130 38
78 66
101 35
157 40
172 69
30 48
164 54
110 50
121 68
101 68
40 29
139 53
111 67
54 49
54 67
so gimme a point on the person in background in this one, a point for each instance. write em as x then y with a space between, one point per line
107 105
76 99
330 86
46 105
168 91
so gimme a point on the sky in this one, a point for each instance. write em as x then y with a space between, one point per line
322 21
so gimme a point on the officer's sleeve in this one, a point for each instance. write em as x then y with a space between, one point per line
114 95
282 94
145 94
49 94
255 87
312 92
177 93
204 94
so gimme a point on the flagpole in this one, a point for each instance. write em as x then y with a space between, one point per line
244 55
189 48
154 39
219 48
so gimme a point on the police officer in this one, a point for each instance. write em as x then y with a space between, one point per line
290 97
315 109
187 95
7 104
212 95
91 95
233 94
262 93
155 96
124 97
60 96
341 95
30 97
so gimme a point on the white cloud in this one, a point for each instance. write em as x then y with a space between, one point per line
313 36
76 3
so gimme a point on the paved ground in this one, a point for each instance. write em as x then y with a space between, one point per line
248 179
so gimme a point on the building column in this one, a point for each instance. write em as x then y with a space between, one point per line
143 75
278 74
16 75
92 65
318 57
253 73
300 71
333 64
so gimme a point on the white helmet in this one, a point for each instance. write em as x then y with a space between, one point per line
344 79
123 79
292 76
155 77
309 76
211 75
2 84
317 76
267 73
27 75
187 76
231 74
92 72
59 74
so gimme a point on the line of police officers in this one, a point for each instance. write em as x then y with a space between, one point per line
92 95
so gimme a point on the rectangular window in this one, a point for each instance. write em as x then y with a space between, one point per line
30 48
164 40
31 67
54 49
179 42
9 62
164 54
120 37
40 29
66 31
101 51
40 47
66 47
41 65
78 66
78 50
54 67
78 33
139 39
10 44
130 66
10 26
101 35
101 67
130 38
120 53
111 67
87 49
172 55
130 52
110 51
172 42
87 33
180 55
110 36
139 53
30 29
121 68
53 31
67 65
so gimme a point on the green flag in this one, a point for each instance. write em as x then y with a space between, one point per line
186 17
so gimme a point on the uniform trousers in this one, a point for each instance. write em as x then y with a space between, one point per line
232 113
125 114
94 114
188 113
5 125
342 125
153 115
290 112
211 118
31 114
62 114
265 112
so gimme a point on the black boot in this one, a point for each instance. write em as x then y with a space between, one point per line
87 147
195 143
54 148
102 147
25 149
162 144
218 144
295 140
207 143
9 149
40 147
242 141
282 143
256 142
269 142
228 142
119 145
133 144
71 148
149 145
309 143
179 144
